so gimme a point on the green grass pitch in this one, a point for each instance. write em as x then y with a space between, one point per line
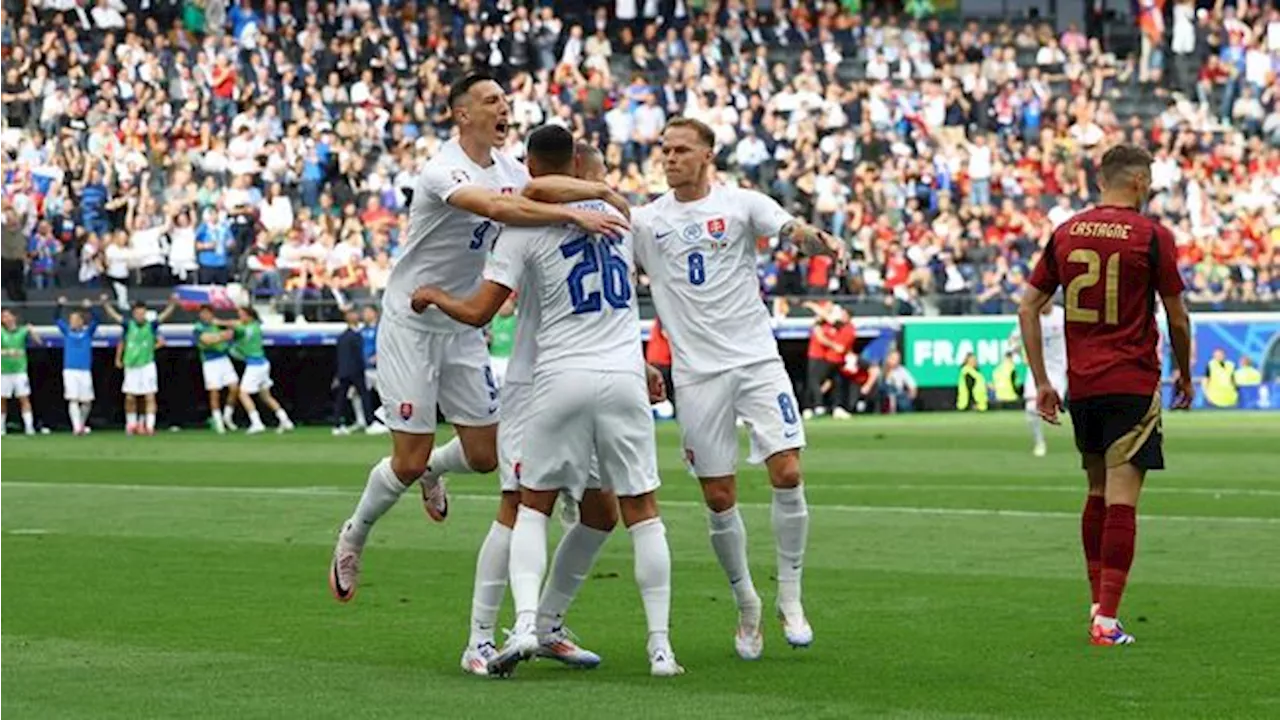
183 576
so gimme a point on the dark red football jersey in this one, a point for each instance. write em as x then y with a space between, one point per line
1111 262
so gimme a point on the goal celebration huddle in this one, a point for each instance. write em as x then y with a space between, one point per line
571 422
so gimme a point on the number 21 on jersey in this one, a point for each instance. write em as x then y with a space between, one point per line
597 259
1094 265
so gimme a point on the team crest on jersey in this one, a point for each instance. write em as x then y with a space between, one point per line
460 176
691 233
716 227
406 411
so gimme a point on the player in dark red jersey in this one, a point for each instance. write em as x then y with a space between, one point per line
1112 262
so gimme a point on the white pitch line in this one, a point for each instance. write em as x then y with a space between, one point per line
868 509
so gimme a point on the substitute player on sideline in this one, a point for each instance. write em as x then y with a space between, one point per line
1113 261
13 369
589 400
1053 332
77 362
136 353
697 244
214 344
256 379
424 360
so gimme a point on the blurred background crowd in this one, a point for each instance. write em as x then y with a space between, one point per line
275 144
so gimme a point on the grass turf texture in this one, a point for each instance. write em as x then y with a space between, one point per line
184 576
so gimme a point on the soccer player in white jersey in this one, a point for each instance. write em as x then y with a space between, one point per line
459 201
1053 327
590 396
697 244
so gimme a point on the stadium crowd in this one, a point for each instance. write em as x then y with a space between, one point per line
277 143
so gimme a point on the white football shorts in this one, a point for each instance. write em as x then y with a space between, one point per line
418 370
517 400
256 378
219 373
141 380
578 414
760 394
77 385
15 385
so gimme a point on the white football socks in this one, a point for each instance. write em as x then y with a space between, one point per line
283 417
28 421
228 413
217 421
653 575
1037 426
380 494
73 409
255 419
448 458
790 514
151 421
729 540
358 406
575 556
492 567
528 565
133 420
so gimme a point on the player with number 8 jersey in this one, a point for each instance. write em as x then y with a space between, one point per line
697 243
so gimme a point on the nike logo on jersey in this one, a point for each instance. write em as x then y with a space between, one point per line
790 434
660 236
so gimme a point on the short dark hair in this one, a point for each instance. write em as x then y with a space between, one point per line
1122 160
459 90
704 131
584 149
552 145
139 304
206 306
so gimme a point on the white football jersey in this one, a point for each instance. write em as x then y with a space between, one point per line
588 317
701 262
1053 332
447 246
524 348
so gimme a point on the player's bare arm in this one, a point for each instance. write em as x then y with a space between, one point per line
811 240
476 310
520 211
557 189
111 311
1180 338
657 387
1048 403
169 310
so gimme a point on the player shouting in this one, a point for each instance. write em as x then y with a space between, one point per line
1113 262
77 362
588 399
697 244
461 198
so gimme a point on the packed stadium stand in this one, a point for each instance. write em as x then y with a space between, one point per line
275 144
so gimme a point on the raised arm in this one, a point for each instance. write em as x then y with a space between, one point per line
476 310
34 336
564 189
169 310
111 311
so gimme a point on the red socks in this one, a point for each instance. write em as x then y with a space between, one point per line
1118 534
1091 524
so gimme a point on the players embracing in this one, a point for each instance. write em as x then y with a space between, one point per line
1113 262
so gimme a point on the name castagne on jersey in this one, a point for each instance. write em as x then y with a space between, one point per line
1107 230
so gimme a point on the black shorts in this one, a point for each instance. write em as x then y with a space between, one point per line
1120 428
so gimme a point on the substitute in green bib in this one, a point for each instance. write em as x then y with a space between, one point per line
136 353
247 332
13 370
214 344
502 339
